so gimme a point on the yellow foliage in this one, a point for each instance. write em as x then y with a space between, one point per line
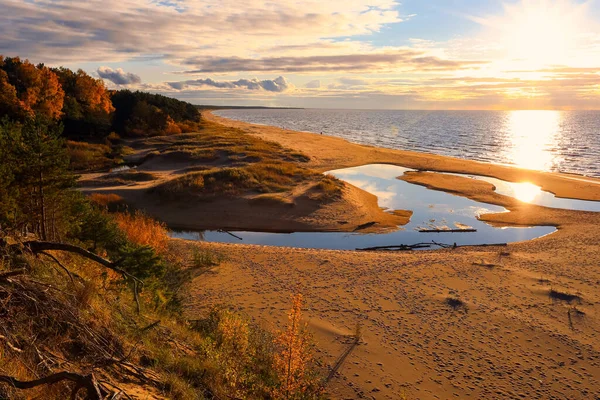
292 363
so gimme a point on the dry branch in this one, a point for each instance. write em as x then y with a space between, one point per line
9 274
60 265
39 247
87 382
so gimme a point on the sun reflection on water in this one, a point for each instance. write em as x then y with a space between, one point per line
525 191
532 135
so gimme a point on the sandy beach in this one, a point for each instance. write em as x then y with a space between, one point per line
526 323
498 322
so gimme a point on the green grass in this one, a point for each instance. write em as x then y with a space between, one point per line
205 258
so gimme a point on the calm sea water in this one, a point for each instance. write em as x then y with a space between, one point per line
567 141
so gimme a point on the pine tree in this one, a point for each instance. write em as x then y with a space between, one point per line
36 158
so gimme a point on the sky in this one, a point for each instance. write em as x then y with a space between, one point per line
365 54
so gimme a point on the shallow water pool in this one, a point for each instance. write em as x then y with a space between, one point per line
530 193
432 209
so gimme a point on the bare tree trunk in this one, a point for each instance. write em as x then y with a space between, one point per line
42 205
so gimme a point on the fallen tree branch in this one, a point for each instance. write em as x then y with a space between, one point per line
409 247
152 325
39 247
87 382
229 233
60 265
400 247
9 274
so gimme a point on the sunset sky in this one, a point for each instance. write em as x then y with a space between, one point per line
384 54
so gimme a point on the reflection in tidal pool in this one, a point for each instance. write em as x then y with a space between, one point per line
430 208
530 193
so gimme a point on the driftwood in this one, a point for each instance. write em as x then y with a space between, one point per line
87 382
447 230
409 247
229 233
400 247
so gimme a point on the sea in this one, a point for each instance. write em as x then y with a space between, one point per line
558 141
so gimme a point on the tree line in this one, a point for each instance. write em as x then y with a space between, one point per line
84 106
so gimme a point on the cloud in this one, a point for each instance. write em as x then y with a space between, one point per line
116 30
279 84
398 59
353 81
118 76
313 84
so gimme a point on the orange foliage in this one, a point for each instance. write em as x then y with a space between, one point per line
171 128
27 90
85 96
142 229
292 363
93 93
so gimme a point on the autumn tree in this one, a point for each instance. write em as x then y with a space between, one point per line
28 91
87 107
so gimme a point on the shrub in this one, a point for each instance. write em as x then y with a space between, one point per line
88 156
292 362
204 258
110 201
143 230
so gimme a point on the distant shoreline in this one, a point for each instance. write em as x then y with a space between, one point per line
215 108
495 137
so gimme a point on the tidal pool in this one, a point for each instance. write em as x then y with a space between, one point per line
530 193
432 209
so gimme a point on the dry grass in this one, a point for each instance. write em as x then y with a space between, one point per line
273 199
108 201
213 142
144 230
53 324
329 188
122 178
258 178
89 156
